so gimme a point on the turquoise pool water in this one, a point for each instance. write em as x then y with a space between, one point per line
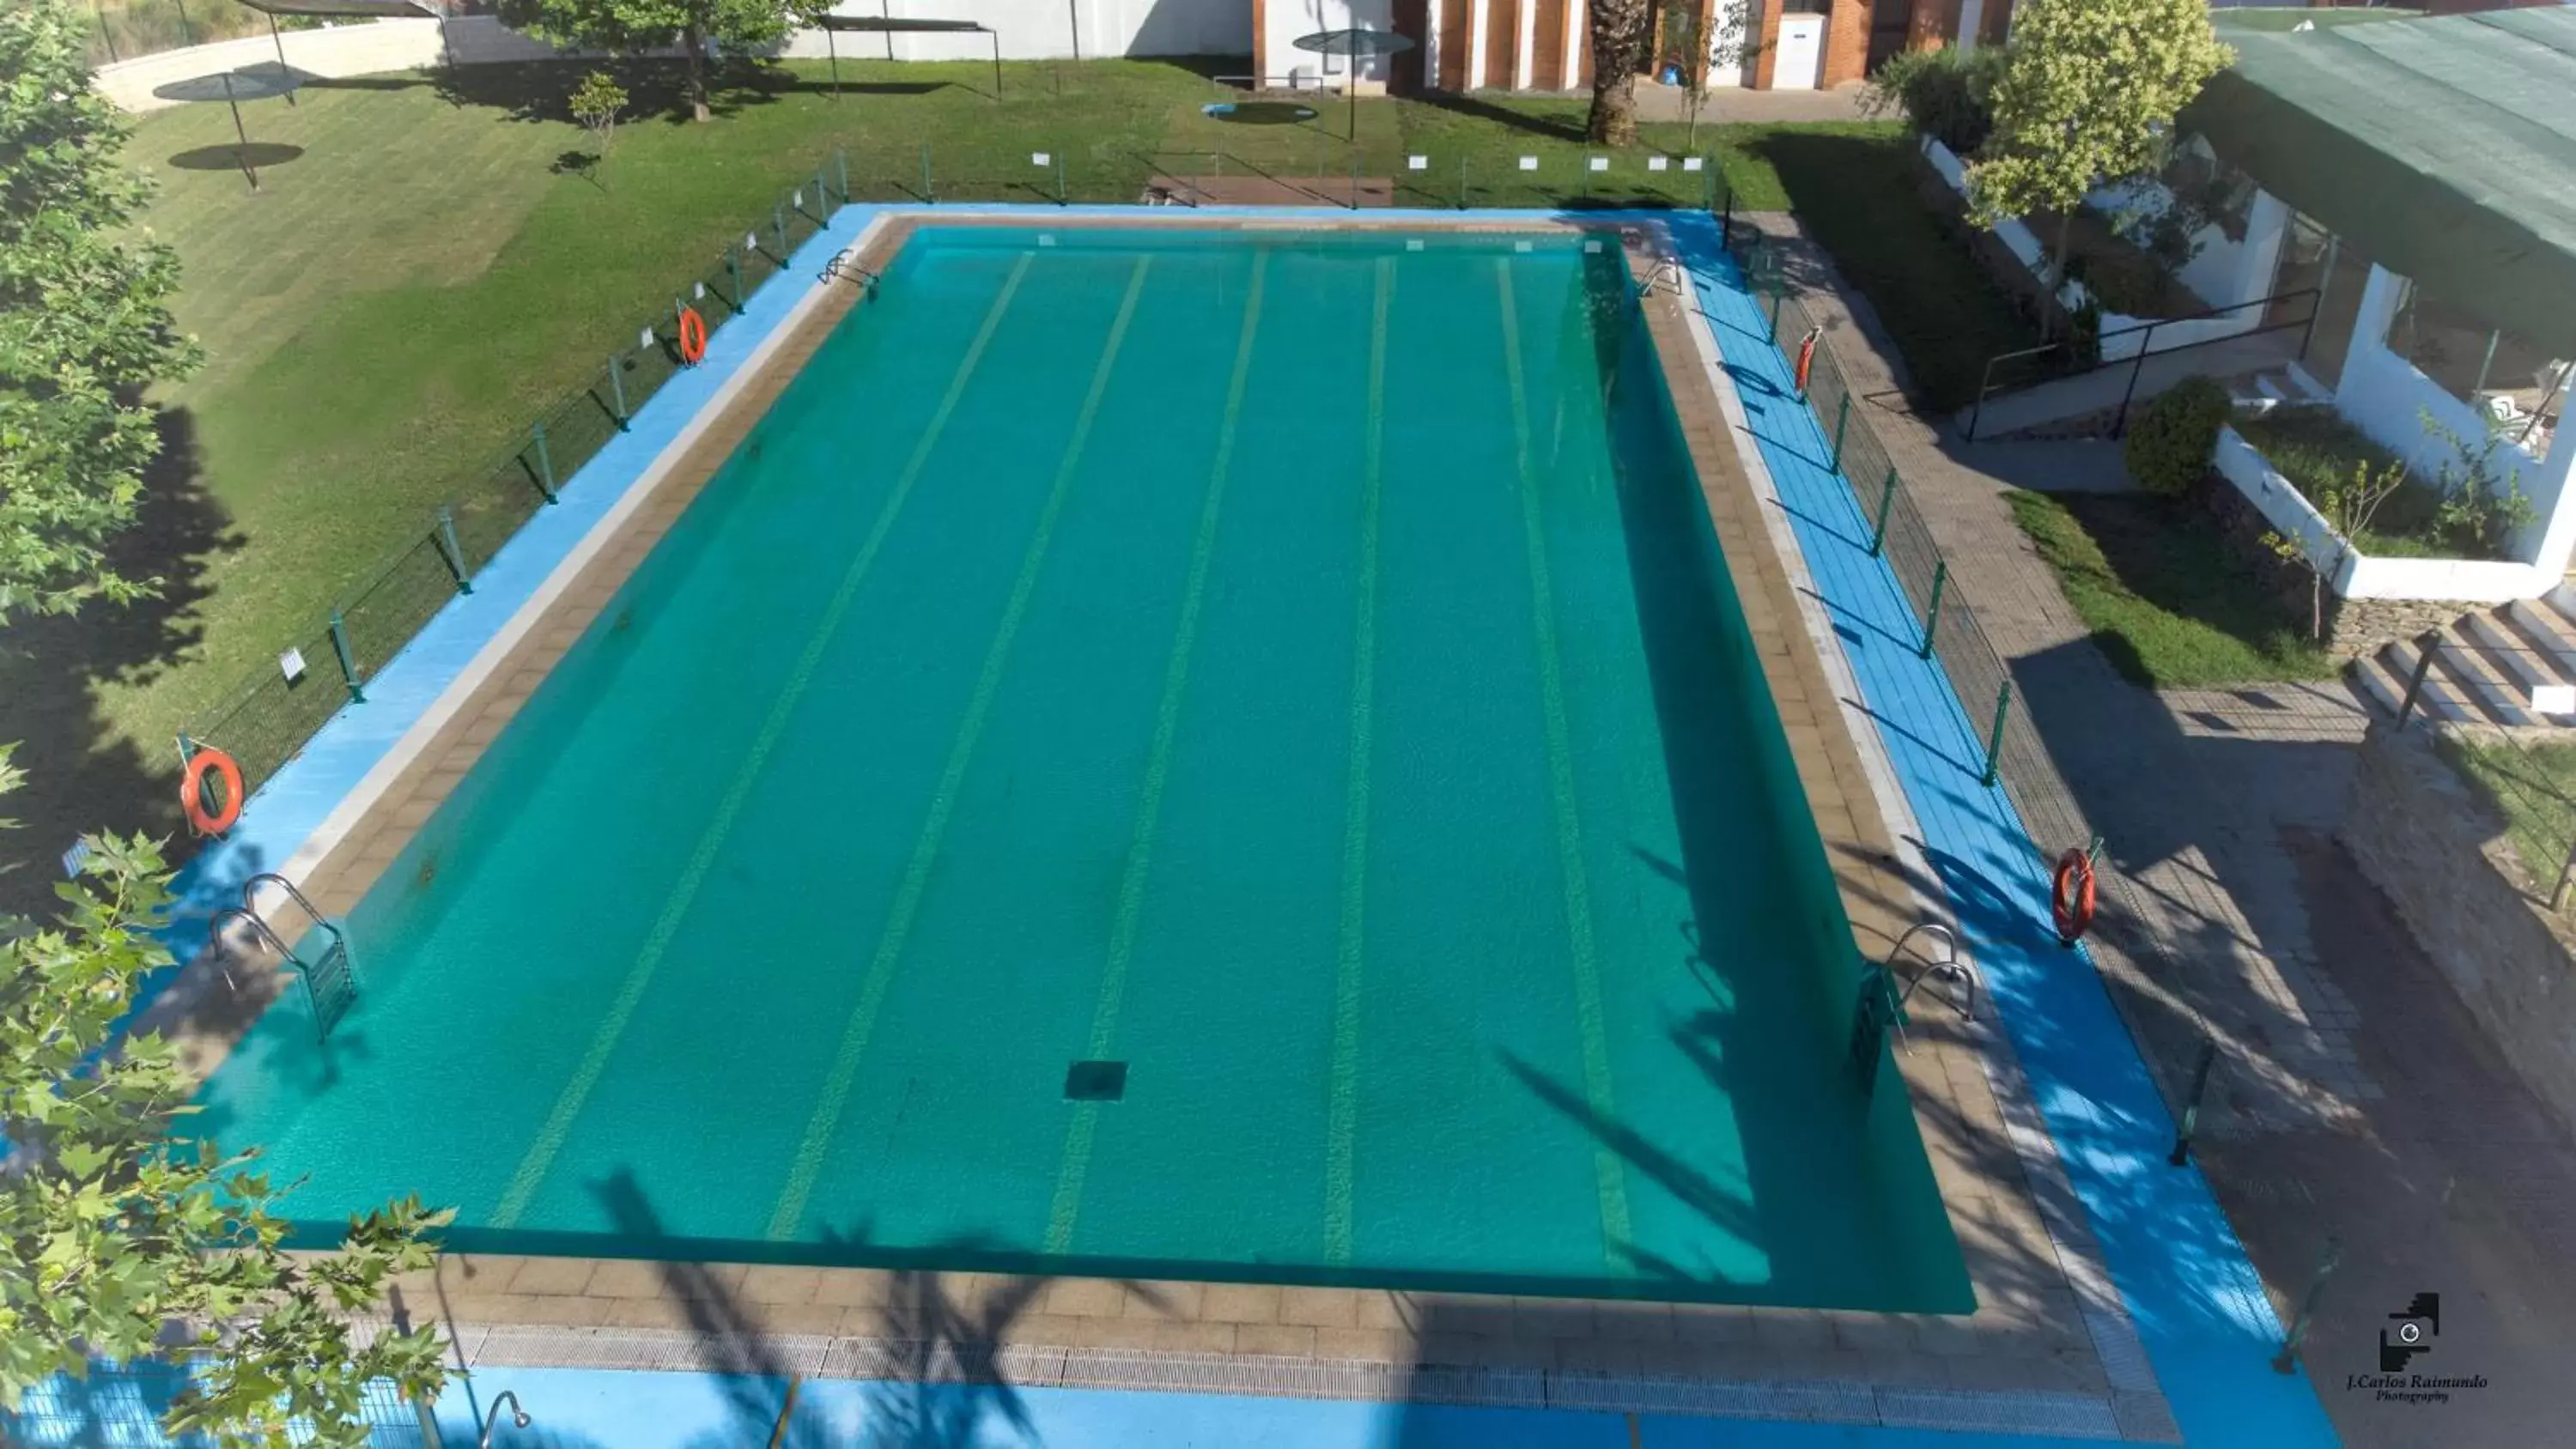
1178 754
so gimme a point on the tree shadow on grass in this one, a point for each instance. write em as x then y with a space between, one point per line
1860 196
82 775
1504 116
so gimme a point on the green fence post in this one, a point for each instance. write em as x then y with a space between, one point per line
545 464
2181 1154
1707 186
348 660
778 226
1932 616
1842 420
1462 183
617 388
929 192
1061 199
841 160
822 197
1583 188
1886 501
1779 291
1995 736
733 269
454 555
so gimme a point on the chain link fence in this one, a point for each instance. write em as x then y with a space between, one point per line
265 719
2009 750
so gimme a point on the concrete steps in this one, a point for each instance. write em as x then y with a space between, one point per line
2488 667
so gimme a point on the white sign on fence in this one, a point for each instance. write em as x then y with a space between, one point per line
2553 699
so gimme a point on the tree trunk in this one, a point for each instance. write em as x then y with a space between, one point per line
1618 44
693 45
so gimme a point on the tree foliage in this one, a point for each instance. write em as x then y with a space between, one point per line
2088 94
1620 40
84 321
630 27
111 1231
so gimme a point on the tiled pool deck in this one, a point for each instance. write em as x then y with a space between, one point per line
2054 1347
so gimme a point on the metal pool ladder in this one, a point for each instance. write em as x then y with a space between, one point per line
1886 988
844 267
330 979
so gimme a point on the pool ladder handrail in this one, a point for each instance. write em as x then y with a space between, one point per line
1949 967
844 266
330 980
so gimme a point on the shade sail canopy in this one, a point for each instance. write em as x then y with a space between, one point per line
898 25
256 82
350 9
2443 148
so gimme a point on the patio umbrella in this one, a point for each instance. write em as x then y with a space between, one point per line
1355 44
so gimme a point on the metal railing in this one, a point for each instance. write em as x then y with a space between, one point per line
2073 357
2006 749
275 709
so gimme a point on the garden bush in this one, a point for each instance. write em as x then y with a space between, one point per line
2172 438
1942 92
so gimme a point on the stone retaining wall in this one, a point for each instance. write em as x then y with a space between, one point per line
2438 851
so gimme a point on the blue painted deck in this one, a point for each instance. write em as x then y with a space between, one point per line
2197 1302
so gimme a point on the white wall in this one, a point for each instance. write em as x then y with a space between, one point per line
1030 30
1284 20
2355 575
2387 397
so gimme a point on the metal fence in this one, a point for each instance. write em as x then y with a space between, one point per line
274 710
2481 696
125 29
123 1406
2009 749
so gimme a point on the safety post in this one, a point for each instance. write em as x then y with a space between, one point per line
1842 419
617 387
2425 647
448 550
1462 183
778 227
2286 1361
1726 220
2191 1103
1779 292
348 660
733 270
1060 198
822 198
545 464
929 192
1932 615
1886 501
1995 736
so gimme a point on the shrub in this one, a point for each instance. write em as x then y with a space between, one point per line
1941 92
2172 438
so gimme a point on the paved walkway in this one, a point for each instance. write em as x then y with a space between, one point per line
2353 1098
1734 103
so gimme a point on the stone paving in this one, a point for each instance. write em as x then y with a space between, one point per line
2354 1100
2048 1349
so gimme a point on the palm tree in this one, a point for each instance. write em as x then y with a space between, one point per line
1619 41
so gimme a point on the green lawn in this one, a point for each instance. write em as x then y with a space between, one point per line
2163 597
2533 787
1854 187
421 275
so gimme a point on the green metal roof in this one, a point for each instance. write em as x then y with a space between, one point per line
2444 148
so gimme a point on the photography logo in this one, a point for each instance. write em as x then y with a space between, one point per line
2411 1332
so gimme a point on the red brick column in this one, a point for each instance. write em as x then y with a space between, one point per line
1846 43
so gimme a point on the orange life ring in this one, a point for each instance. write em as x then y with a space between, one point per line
693 336
192 791
1807 357
2070 896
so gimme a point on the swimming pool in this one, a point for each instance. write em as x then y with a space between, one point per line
1167 753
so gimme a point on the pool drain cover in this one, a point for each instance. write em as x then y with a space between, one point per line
1095 1081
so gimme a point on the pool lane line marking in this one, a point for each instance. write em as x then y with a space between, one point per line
1609 1177
1149 806
1341 1122
943 802
657 942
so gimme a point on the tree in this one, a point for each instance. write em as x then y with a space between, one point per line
1619 42
110 1229
2088 94
85 325
2347 503
1727 45
631 26
595 103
